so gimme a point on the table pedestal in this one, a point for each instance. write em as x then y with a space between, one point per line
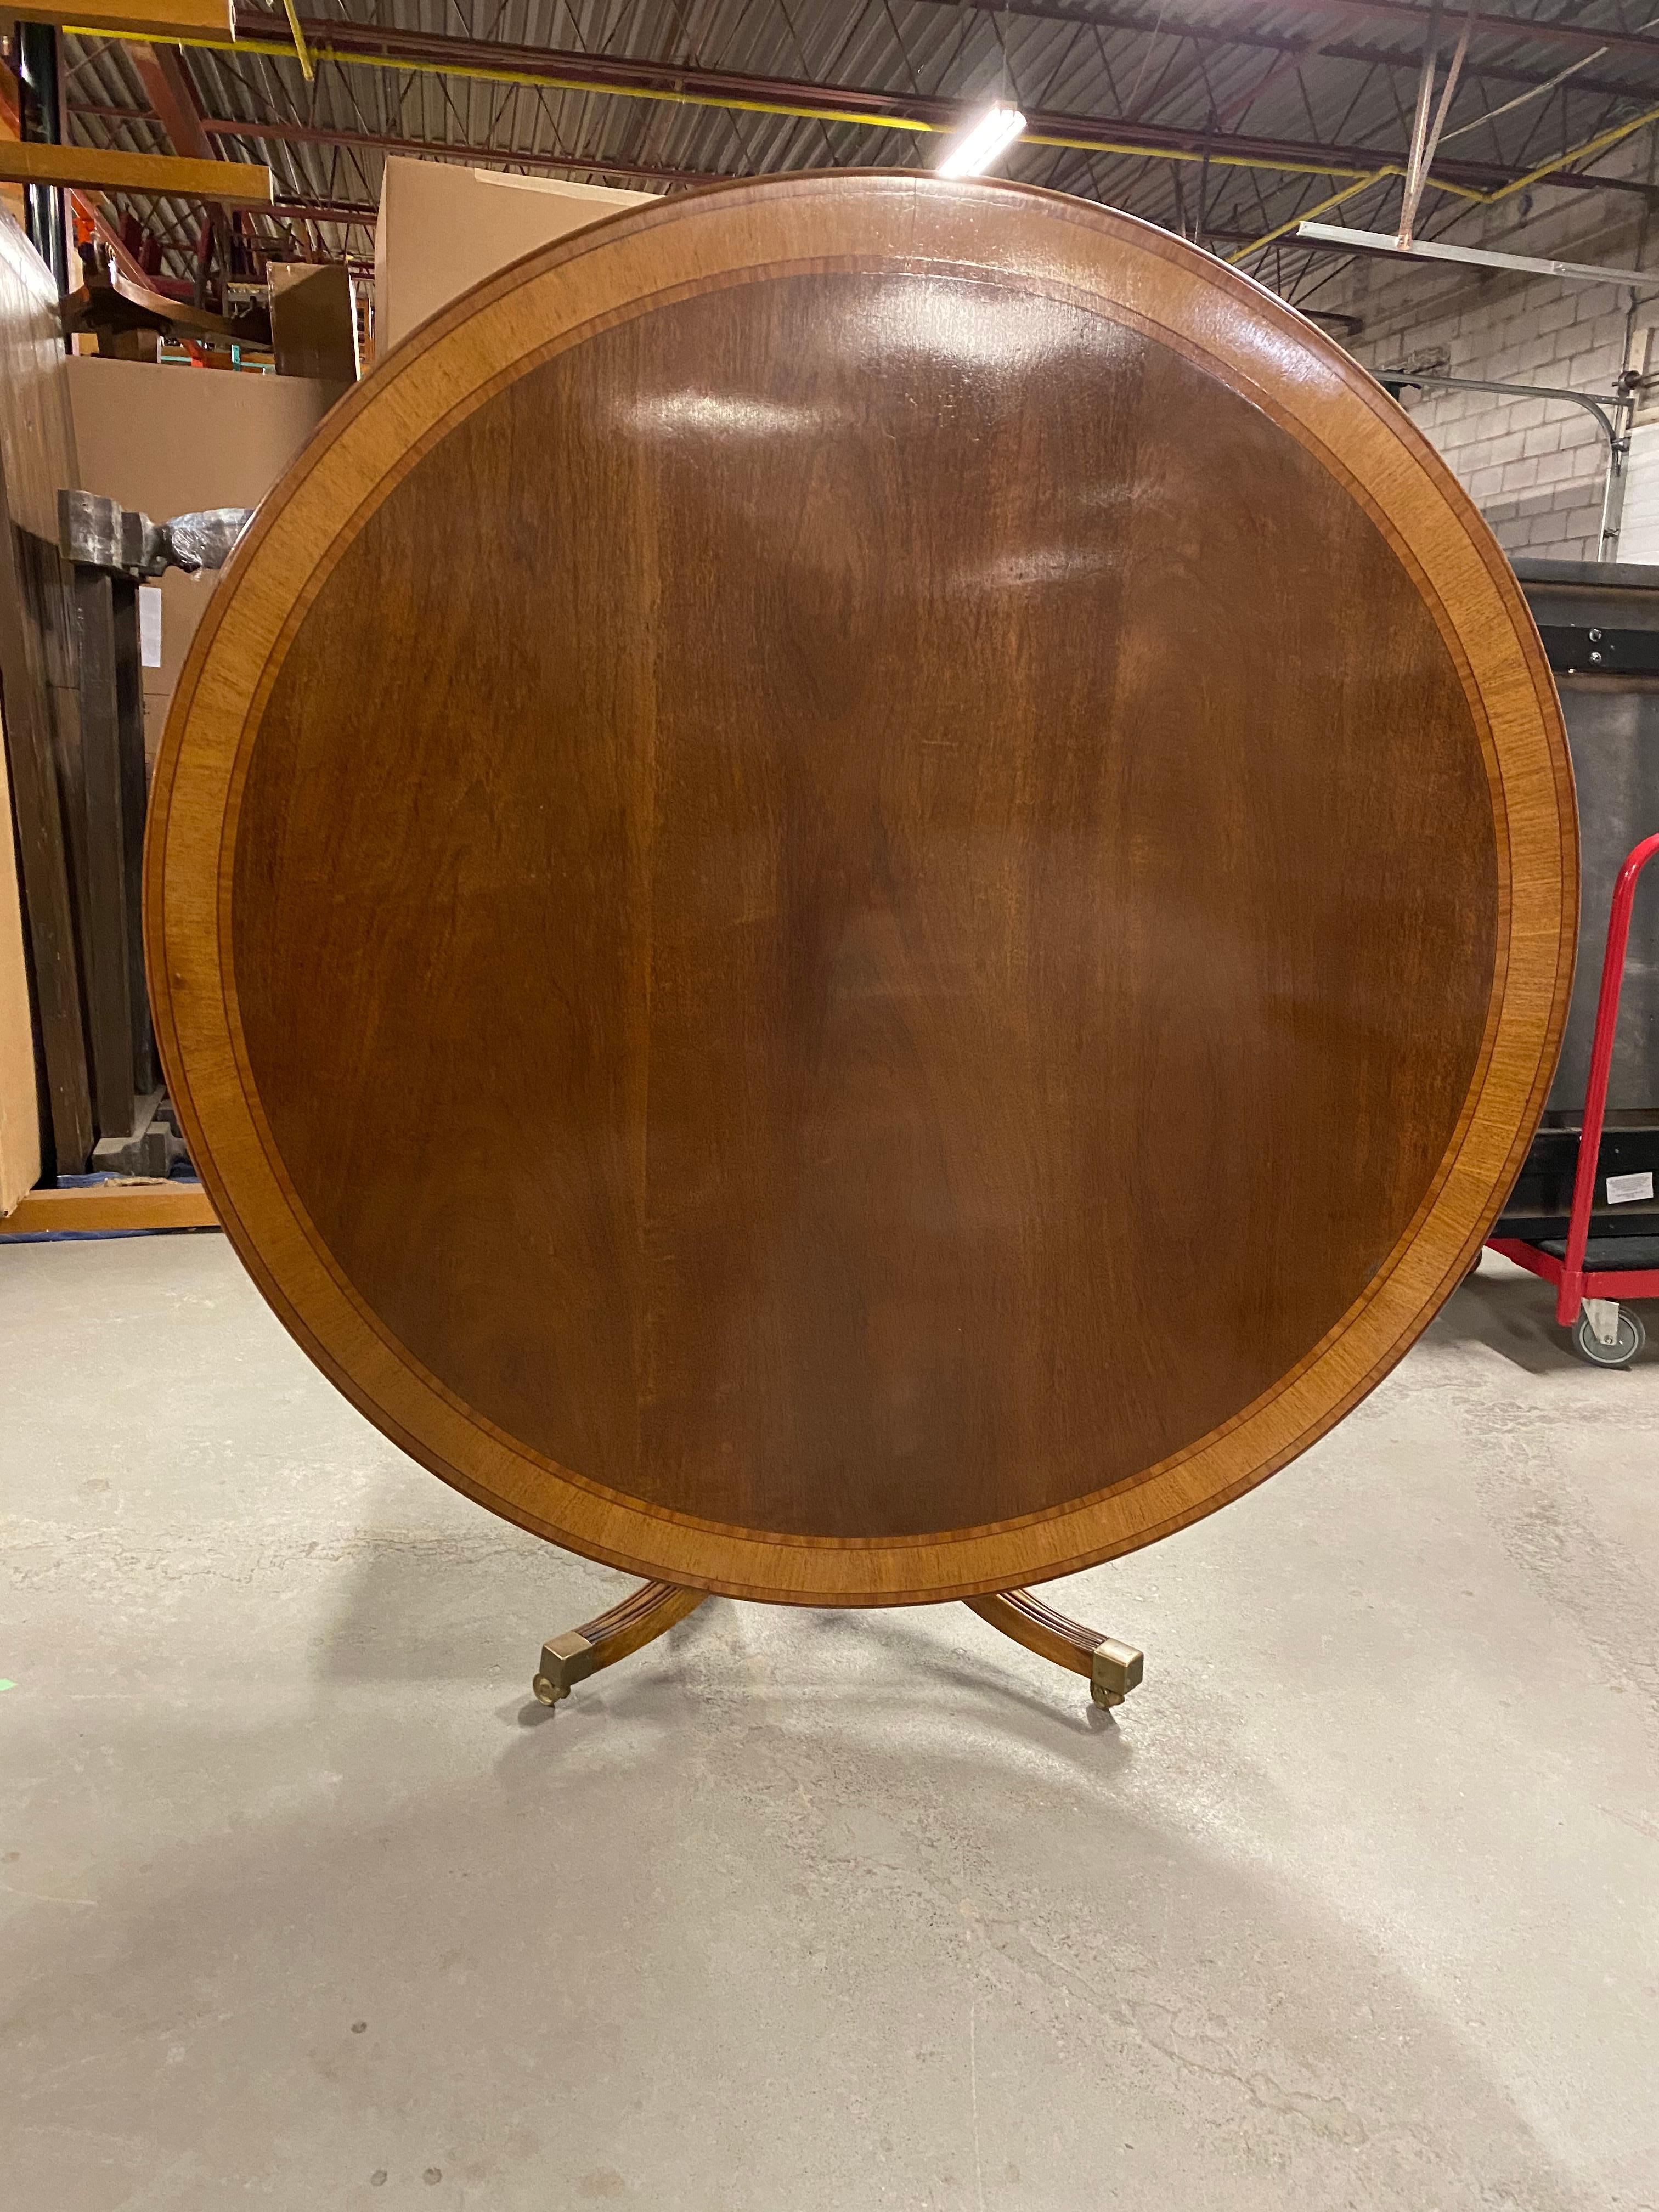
1113 1670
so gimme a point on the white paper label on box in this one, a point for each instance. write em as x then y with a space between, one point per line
149 625
1621 1189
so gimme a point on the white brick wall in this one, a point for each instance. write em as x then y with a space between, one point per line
1536 468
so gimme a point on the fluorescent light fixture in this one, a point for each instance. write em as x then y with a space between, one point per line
1466 257
972 154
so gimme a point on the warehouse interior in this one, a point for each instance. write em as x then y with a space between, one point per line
829 878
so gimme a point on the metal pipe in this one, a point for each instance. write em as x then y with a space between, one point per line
1613 415
1432 144
1414 185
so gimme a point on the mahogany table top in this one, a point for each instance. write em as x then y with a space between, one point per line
862 889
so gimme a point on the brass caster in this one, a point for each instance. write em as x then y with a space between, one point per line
643 1615
1114 1670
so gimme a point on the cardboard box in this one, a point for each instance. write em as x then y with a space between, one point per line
313 320
442 229
171 441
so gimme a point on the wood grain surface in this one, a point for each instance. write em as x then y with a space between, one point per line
41 737
862 889
130 1203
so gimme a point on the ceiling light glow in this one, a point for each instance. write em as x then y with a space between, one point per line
973 153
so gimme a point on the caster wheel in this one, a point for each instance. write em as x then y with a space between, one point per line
1632 1337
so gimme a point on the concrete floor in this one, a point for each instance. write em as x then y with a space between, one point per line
305 1904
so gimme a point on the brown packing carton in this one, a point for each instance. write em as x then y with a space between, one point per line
442 229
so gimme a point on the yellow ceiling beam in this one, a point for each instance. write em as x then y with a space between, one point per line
95 168
1591 150
321 50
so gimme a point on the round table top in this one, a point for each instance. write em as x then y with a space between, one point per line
862 889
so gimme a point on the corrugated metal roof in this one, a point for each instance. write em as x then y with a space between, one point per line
1215 66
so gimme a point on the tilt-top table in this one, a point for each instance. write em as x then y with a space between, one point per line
860 893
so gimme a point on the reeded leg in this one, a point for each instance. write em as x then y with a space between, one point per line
646 1613
1113 1669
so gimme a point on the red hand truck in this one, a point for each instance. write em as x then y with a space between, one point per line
1590 1300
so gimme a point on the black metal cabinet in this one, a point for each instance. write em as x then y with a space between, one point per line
1611 704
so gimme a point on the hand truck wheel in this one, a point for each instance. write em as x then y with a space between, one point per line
1629 1341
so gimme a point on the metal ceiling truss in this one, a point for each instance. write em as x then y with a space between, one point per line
1134 105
